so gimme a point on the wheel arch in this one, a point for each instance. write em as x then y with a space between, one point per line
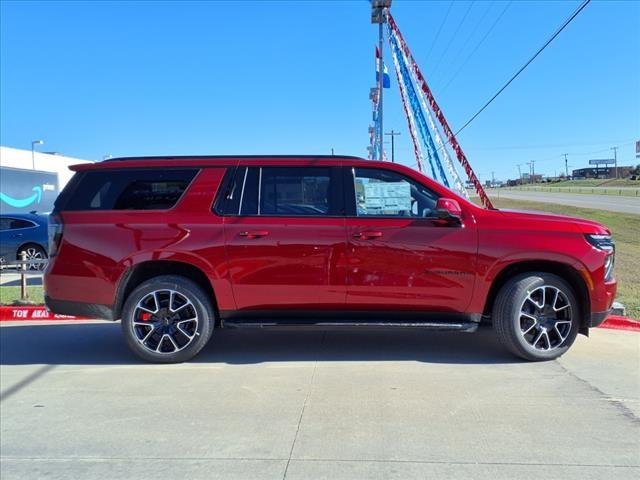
562 270
31 242
146 270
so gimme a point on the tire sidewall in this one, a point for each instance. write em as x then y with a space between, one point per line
206 319
527 283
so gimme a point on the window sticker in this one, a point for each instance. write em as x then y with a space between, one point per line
386 198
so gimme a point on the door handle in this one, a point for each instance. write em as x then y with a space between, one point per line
16 235
368 235
254 233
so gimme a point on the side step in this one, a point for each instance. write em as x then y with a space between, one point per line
293 324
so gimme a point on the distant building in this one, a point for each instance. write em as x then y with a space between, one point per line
601 172
32 184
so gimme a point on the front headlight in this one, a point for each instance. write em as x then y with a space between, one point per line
605 243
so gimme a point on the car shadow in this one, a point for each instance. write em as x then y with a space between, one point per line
102 344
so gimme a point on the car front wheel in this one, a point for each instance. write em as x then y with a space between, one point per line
536 316
167 319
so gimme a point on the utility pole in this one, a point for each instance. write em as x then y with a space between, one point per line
566 165
533 171
493 179
393 134
332 151
615 159
519 172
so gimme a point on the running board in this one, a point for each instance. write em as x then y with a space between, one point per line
288 323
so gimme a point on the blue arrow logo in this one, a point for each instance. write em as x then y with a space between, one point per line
24 202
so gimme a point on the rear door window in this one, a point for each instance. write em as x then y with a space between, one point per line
8 223
148 189
283 191
302 191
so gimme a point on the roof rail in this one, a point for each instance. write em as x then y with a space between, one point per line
221 157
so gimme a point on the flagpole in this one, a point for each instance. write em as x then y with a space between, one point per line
379 9
380 89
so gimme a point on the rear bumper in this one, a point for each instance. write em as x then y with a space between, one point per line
79 309
598 317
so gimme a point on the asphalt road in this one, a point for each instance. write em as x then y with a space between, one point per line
316 405
600 202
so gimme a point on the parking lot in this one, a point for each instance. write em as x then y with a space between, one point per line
322 404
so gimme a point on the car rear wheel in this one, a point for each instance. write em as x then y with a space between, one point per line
167 319
33 252
536 316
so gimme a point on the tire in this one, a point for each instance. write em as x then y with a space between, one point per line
531 332
33 252
167 319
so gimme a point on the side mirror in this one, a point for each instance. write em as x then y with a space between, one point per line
448 209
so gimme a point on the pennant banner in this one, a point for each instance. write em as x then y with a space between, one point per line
422 84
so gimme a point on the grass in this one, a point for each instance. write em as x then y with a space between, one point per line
11 295
626 233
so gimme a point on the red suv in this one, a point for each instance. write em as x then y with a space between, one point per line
178 246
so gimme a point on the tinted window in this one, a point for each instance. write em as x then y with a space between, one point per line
384 193
282 191
128 189
7 223
295 191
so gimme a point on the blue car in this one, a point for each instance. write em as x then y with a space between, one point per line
23 232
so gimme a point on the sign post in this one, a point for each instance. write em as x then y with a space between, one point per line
601 161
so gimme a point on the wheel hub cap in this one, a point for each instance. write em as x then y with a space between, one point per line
165 321
545 318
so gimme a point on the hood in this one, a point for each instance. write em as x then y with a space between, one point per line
579 224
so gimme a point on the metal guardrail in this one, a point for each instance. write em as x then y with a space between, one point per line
23 266
621 192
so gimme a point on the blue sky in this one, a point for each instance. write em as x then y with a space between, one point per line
154 78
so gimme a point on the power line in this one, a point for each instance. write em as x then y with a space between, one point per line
553 37
452 60
554 145
479 44
435 40
455 34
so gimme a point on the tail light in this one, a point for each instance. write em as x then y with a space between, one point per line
56 227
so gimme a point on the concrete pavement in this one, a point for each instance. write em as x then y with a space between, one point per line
600 202
316 404
9 278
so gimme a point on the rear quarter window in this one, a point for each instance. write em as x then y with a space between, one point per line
148 189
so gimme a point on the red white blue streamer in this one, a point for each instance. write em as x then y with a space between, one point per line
457 181
422 84
418 115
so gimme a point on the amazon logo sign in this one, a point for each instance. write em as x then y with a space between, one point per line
24 190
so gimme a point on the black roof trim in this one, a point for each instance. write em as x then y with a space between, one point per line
223 157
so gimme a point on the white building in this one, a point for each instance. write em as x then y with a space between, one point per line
44 162
32 183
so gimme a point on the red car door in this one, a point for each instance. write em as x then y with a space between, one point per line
285 243
400 257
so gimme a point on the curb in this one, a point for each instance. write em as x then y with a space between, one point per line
26 313
618 322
